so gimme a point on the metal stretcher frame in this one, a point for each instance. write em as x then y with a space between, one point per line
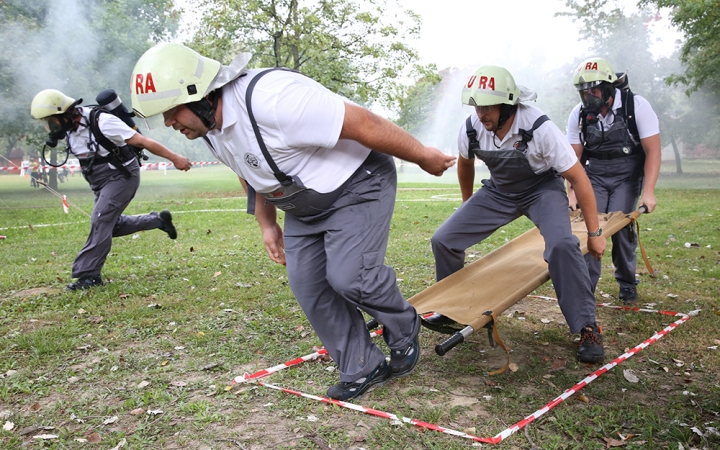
500 279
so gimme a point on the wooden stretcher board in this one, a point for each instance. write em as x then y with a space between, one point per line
504 276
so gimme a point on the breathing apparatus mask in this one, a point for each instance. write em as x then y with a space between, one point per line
591 104
58 126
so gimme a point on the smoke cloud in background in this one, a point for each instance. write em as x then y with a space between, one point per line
66 55
57 56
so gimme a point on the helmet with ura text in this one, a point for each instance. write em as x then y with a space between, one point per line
592 72
490 85
169 75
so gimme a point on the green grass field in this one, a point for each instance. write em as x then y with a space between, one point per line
146 361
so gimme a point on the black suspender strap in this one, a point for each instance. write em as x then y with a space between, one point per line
281 176
527 135
472 137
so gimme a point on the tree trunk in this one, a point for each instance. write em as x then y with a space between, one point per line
678 158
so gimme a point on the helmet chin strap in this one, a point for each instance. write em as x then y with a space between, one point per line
505 112
205 109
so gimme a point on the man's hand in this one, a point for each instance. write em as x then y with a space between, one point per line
274 245
649 201
181 163
436 162
596 246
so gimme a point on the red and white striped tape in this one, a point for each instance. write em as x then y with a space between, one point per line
265 372
505 433
146 165
383 414
589 379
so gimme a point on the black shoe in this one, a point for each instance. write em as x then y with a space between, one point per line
403 361
591 345
628 295
85 283
167 225
441 324
347 390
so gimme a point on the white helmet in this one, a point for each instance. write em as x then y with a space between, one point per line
56 110
50 102
169 75
490 85
592 72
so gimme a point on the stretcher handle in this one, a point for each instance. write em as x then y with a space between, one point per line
643 209
453 340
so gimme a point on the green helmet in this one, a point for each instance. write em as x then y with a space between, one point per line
490 85
592 72
50 102
168 75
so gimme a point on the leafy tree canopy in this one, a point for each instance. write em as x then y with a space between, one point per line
77 46
699 20
356 48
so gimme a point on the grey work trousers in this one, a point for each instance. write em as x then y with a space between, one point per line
488 209
113 193
617 187
335 265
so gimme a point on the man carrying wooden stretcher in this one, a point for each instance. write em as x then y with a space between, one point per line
527 155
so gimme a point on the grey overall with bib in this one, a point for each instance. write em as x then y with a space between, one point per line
514 190
615 168
335 264
113 192
335 246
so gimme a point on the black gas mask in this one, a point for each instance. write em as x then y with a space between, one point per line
591 108
592 105
54 137
58 127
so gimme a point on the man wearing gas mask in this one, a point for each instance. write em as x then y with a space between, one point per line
113 174
617 136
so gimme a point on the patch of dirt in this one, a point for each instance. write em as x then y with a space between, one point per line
35 292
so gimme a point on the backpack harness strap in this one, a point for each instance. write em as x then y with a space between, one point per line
117 155
628 112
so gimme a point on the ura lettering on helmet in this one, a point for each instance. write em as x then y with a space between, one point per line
591 65
471 81
144 83
487 83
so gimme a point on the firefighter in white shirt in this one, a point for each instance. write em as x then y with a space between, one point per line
617 135
113 175
527 156
328 164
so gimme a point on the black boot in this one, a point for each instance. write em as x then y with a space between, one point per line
167 225
591 345
85 282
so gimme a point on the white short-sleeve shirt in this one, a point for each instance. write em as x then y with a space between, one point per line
547 149
110 125
299 121
645 118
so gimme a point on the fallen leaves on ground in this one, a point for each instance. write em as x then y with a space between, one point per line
630 376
